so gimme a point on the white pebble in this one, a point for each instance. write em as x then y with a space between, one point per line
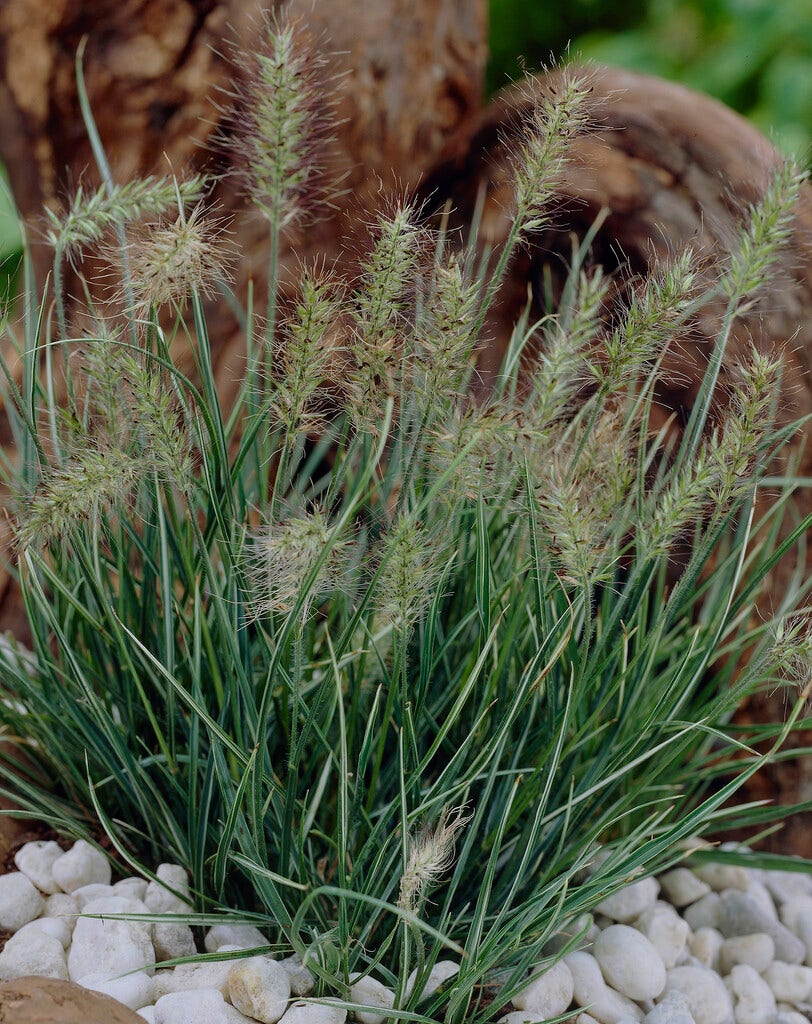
172 941
202 1006
53 926
787 886
741 913
259 988
789 982
88 893
756 950
523 1017
723 876
629 962
19 901
33 953
134 990
585 1018
708 998
81 865
754 1003
148 1013
313 1013
803 929
549 993
705 913
672 1009
665 930
786 1015
790 911
681 887
301 980
590 989
761 894
438 975
133 888
245 936
370 992
36 860
158 897
189 977
705 946
104 947
62 907
631 901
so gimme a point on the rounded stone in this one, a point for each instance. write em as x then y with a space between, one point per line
246 936
523 1017
19 901
742 914
34 954
134 990
370 992
681 887
666 931
170 893
201 1006
172 941
301 980
723 876
629 902
671 1009
756 950
753 1003
259 988
56 927
590 990
36 860
708 998
705 913
791 983
440 973
548 994
313 1013
82 865
629 962
48 1001
705 946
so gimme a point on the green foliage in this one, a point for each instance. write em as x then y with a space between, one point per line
383 689
755 55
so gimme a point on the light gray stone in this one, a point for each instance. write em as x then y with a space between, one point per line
786 886
53 926
787 1015
62 906
756 950
549 993
246 936
761 894
36 861
630 902
370 992
189 977
134 990
672 1009
523 1017
201 1006
629 962
158 896
301 980
19 901
741 914
708 999
440 973
705 913
790 982
666 931
147 1012
312 1013
590 990
133 888
88 893
753 1002
259 988
681 887
33 954
82 865
723 876
172 941
705 946
104 947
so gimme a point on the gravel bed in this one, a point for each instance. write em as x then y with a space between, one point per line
719 944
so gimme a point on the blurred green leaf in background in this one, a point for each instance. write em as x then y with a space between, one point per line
10 242
754 55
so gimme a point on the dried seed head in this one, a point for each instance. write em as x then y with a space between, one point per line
170 262
411 572
431 854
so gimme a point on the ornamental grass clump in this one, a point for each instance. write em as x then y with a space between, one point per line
378 662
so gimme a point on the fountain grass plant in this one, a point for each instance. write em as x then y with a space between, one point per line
378 663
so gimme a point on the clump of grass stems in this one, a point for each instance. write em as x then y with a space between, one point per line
383 691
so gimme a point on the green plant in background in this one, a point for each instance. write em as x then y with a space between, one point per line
754 55
10 243
381 665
